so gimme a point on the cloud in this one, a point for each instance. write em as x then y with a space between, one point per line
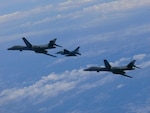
139 56
23 14
40 88
119 5
60 7
50 86
118 62
120 86
47 18
145 64
70 4
102 81
143 59
76 16
139 108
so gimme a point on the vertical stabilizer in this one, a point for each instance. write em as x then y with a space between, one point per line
77 50
107 65
131 64
52 43
27 42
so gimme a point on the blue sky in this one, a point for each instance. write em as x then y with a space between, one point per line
117 30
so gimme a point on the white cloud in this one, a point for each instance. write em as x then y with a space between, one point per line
50 86
50 14
118 5
70 4
143 59
118 62
56 84
106 79
99 7
140 108
23 14
145 64
120 86
139 56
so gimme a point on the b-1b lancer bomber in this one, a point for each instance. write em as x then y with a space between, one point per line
36 48
115 70
70 53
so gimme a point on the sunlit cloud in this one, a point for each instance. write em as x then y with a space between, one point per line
51 86
139 57
103 29
120 86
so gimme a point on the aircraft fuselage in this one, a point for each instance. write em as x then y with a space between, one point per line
112 69
37 49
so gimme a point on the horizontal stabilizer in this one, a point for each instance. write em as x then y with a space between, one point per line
50 54
127 76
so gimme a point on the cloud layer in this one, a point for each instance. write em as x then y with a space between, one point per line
117 30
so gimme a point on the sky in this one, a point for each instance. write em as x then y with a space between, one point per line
116 30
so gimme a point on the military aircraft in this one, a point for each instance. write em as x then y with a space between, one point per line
115 70
69 53
36 48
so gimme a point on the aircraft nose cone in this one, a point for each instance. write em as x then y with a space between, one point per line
58 45
9 49
85 70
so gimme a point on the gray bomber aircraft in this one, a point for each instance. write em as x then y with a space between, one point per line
115 70
70 53
36 48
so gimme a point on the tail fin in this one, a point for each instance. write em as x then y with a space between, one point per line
131 64
27 42
52 43
77 50
107 65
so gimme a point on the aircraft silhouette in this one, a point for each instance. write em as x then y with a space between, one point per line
70 53
36 48
115 70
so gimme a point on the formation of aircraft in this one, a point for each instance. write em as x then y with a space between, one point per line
70 53
52 44
115 70
43 48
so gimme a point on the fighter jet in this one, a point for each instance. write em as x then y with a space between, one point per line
70 53
115 70
36 48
